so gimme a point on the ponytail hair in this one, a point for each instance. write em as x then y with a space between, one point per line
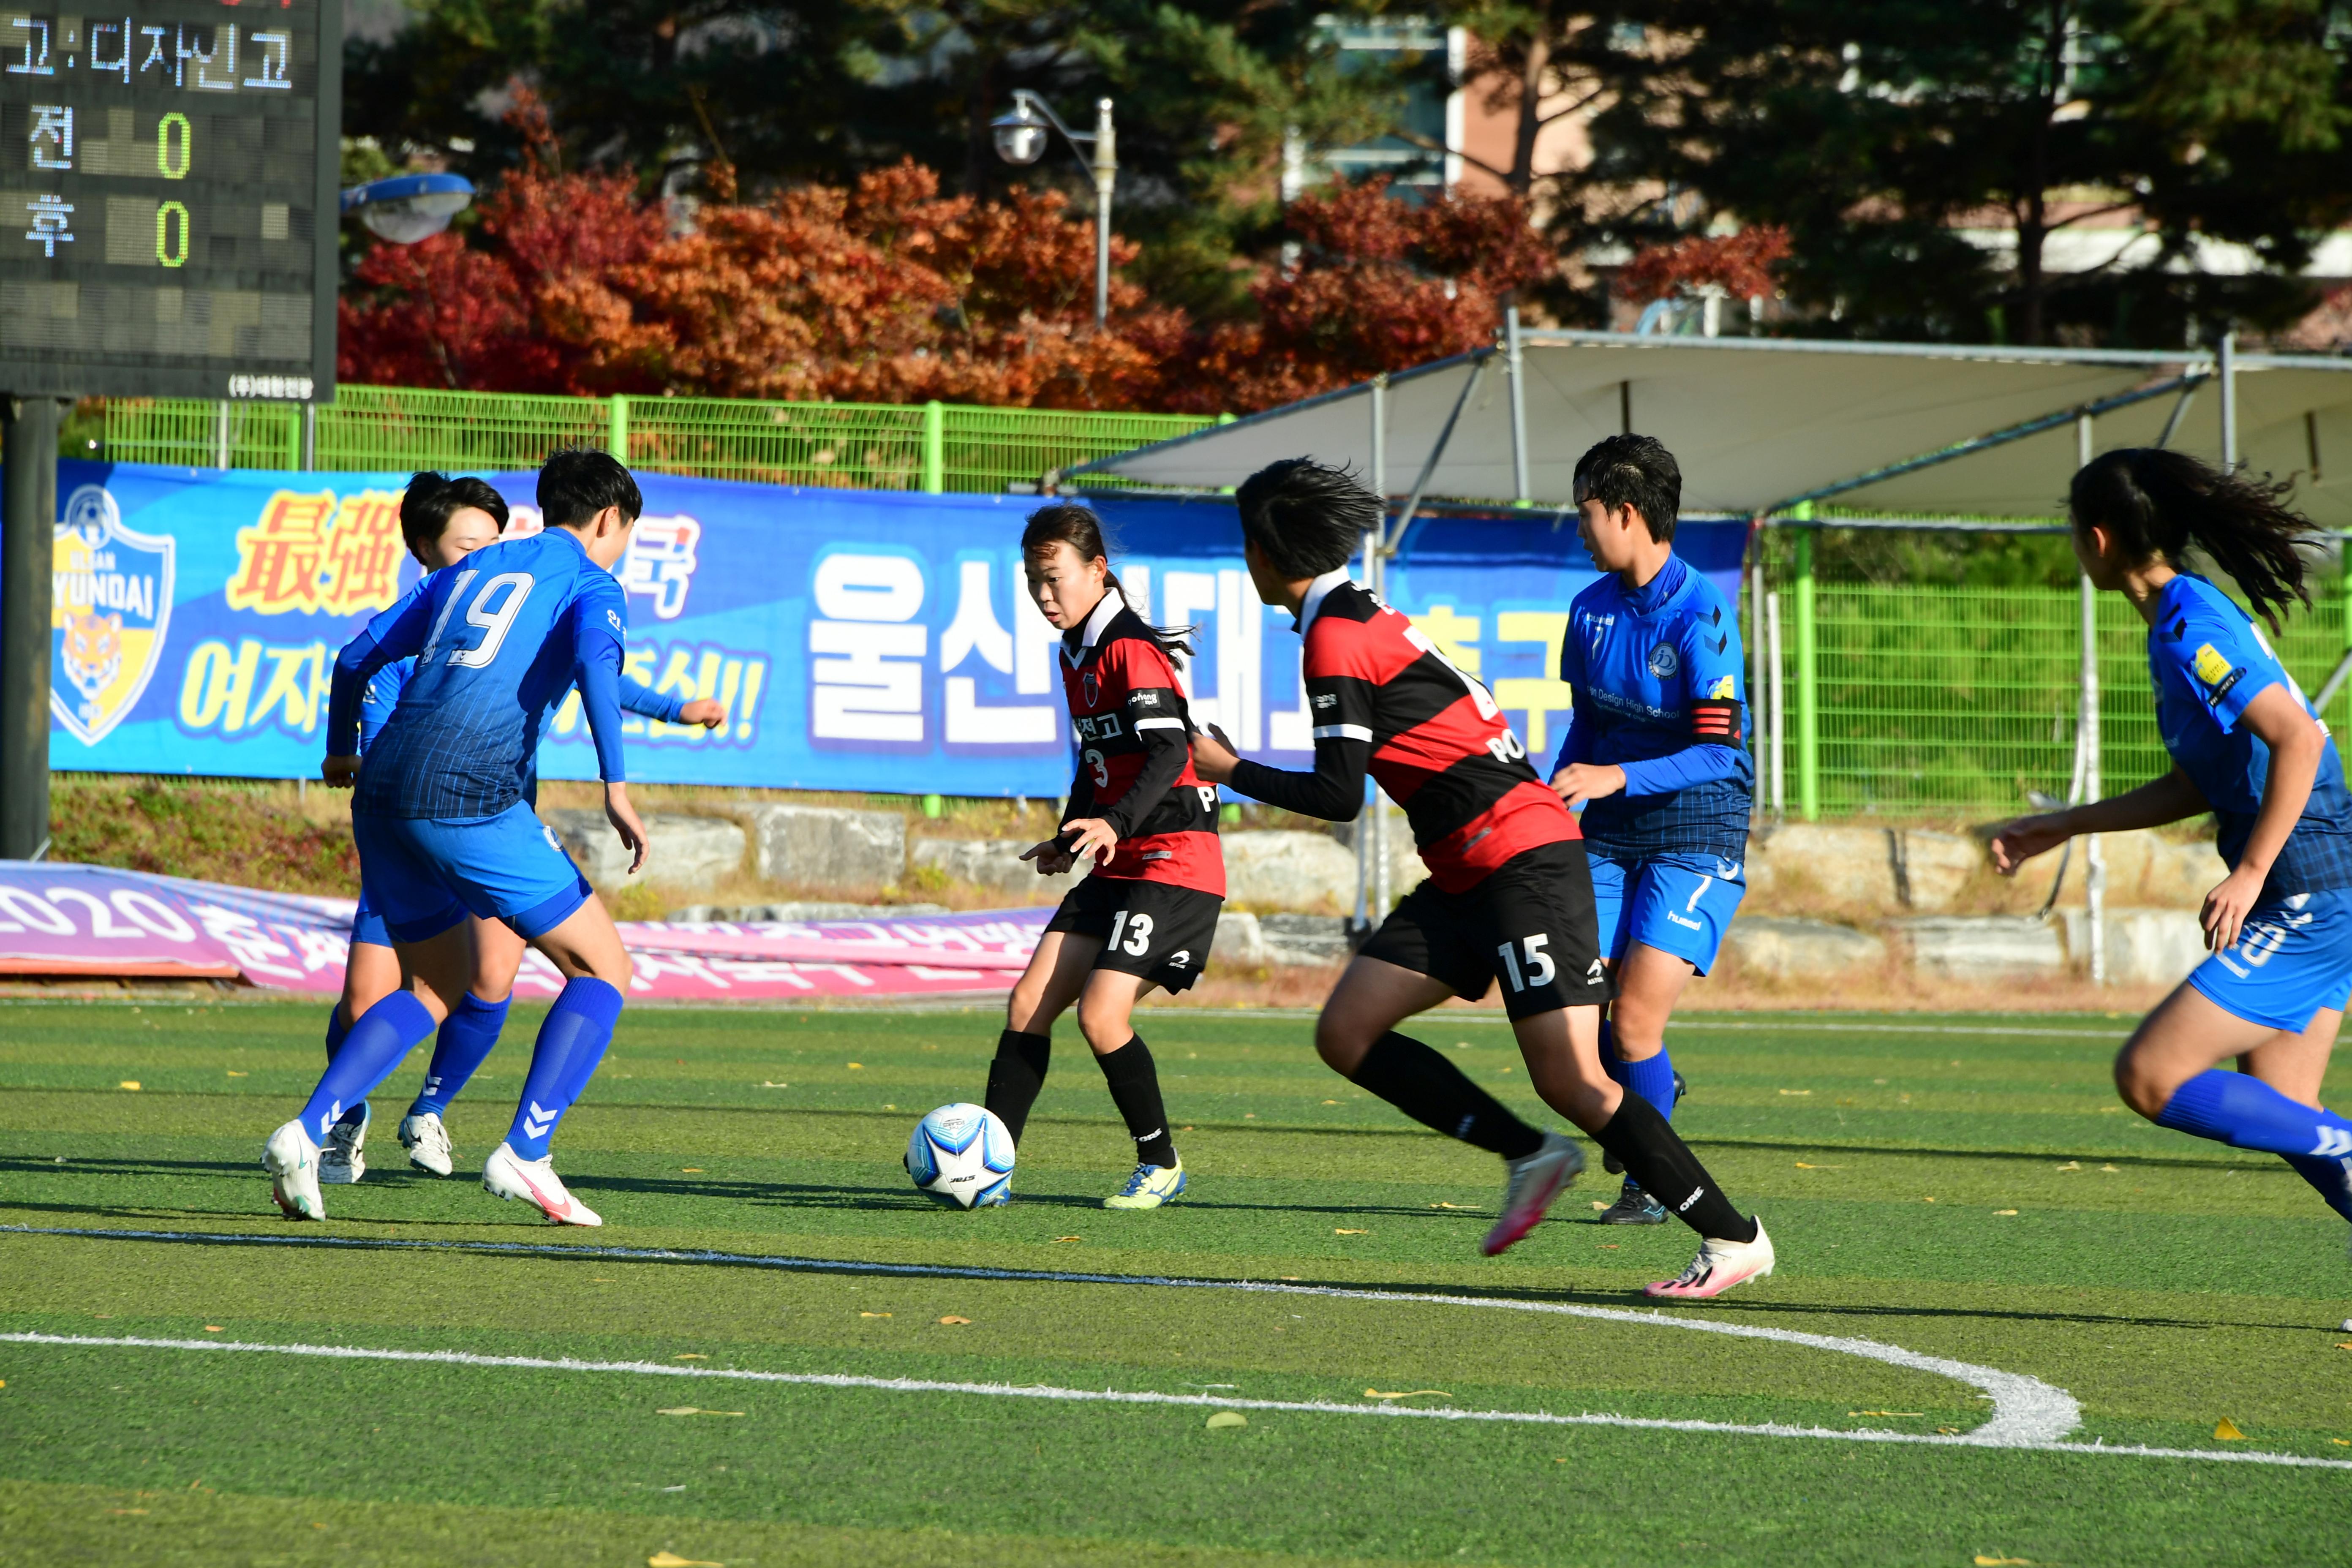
1067 522
2158 503
432 500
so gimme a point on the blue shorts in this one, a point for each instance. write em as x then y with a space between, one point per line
2294 958
367 923
1680 904
426 875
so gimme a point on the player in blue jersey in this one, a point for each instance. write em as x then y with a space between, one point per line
443 521
2246 746
1652 755
444 827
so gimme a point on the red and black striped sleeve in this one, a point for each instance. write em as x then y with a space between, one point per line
1342 681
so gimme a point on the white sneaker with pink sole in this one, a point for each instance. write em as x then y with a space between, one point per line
509 1175
1718 1267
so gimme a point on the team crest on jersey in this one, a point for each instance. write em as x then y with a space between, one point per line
111 604
1663 660
1091 688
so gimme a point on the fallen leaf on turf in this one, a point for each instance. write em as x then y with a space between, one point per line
1927 1200
952 1317
2108 1168
690 1355
1059 1239
690 1410
1797 1092
1351 1233
2227 1431
672 1560
1290 1276
857 1067
232 1075
1249 1116
2340 1344
1407 1394
129 1083
1227 1418
1445 1205
1886 1412
130 1510
2004 1563
2341 1442
1608 1245
1330 1102
889 1108
2004 1211
2072 1165
690 1170
1598 1205
873 1314
765 1084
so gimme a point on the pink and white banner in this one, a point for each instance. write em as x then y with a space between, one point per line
66 919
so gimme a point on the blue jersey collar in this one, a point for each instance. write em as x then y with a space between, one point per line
1659 591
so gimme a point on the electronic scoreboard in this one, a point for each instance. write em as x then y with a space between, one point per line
168 177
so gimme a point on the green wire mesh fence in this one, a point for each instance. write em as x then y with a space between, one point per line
928 447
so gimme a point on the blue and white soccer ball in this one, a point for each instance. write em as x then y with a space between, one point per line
961 1155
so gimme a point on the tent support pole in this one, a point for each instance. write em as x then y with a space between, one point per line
1518 372
1436 454
2179 411
2229 371
1808 719
2095 860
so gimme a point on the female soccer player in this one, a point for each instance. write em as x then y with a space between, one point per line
1147 913
1510 896
2246 746
442 520
1653 756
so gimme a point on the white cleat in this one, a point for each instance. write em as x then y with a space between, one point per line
341 1162
428 1142
1718 1267
508 1176
1535 1182
292 1162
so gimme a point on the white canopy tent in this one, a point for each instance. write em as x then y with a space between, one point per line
1763 425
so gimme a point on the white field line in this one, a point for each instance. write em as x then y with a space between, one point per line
2024 1409
1977 1440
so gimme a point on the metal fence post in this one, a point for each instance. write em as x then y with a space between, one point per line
309 455
935 448
1809 709
1777 705
220 435
618 440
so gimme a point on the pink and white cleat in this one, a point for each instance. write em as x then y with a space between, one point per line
1535 1182
1718 1267
507 1175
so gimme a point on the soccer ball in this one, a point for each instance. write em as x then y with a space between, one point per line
961 1155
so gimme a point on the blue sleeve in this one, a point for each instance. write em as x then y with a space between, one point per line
640 699
1710 645
381 696
2223 662
596 628
395 634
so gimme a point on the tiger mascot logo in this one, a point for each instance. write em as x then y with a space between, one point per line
93 652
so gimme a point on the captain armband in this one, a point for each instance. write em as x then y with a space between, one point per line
1715 719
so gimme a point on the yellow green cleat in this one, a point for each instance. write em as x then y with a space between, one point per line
1149 1187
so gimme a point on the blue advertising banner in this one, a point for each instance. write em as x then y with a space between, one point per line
860 640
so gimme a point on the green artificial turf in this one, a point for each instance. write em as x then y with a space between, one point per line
2167 1284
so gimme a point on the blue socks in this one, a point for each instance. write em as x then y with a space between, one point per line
336 1032
2247 1113
571 1041
1653 1079
465 1040
2332 1179
376 1044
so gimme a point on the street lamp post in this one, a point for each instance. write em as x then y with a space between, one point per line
1020 136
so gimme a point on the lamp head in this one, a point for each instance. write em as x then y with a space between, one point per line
1020 134
409 208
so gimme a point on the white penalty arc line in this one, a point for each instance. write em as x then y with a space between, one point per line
2025 1410
1977 1440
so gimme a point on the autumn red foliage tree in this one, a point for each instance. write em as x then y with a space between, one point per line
1740 264
890 292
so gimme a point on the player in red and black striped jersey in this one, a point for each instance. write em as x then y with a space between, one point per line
1147 913
1508 896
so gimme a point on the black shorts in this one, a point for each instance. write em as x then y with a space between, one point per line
1154 930
1530 924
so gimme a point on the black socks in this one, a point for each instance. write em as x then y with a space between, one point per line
1015 1076
1654 1155
1433 1092
1135 1089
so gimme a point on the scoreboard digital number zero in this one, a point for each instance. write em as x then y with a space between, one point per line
168 182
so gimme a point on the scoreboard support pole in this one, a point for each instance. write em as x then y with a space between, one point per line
28 516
